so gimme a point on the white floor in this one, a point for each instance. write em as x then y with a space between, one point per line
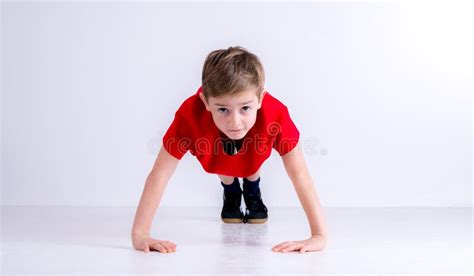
363 241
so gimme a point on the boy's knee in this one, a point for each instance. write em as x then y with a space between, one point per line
227 180
254 176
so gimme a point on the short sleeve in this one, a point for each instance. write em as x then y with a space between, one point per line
288 134
177 139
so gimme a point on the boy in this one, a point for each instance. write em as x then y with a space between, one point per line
231 124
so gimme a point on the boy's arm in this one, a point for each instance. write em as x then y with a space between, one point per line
296 169
155 185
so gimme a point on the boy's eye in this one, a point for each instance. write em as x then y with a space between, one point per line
246 108
222 110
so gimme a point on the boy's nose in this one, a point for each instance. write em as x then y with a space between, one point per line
234 122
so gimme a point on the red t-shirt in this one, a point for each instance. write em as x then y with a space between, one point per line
193 129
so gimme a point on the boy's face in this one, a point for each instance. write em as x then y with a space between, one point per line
234 115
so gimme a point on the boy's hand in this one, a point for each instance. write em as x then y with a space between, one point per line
146 243
315 243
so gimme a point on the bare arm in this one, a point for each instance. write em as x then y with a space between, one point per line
296 169
155 185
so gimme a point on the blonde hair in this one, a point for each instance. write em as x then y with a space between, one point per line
230 71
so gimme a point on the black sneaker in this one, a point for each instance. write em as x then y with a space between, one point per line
256 211
231 212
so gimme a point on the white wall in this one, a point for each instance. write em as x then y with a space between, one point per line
381 94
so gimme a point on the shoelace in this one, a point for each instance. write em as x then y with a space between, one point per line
256 203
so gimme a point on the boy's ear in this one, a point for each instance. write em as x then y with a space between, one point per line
261 99
203 99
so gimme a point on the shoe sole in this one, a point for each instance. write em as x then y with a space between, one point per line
232 220
257 221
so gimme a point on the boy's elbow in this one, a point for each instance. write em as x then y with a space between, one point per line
298 174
